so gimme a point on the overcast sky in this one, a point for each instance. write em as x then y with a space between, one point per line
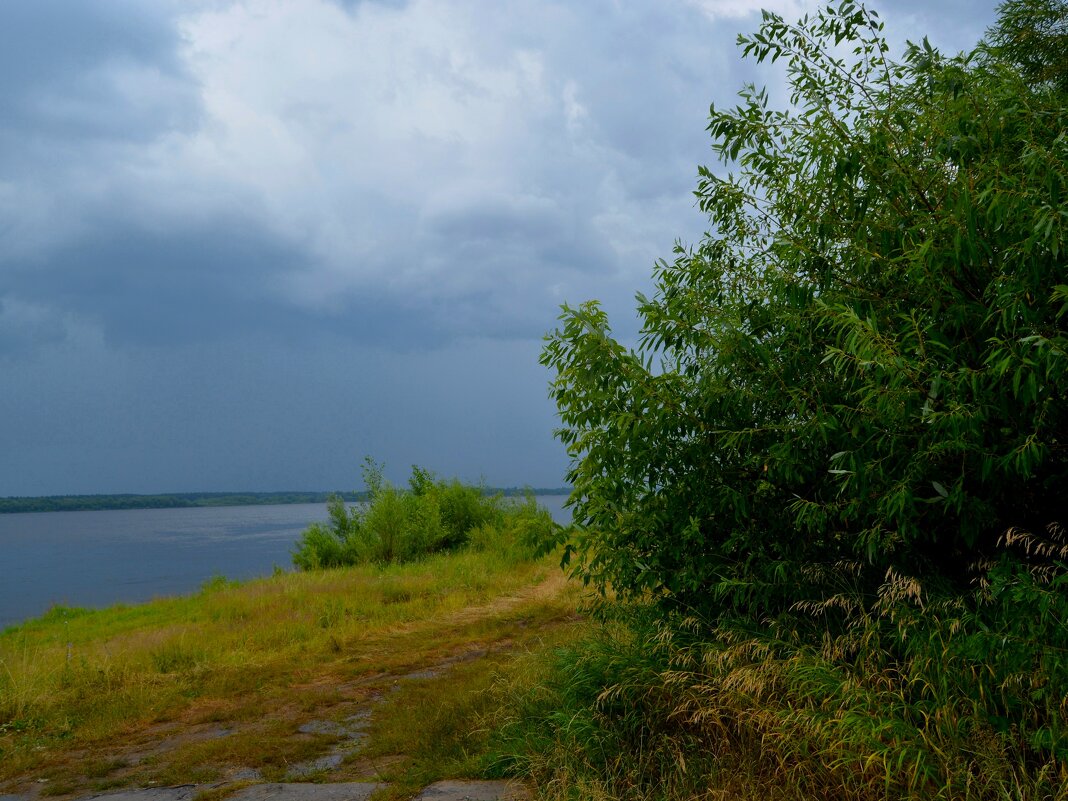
245 244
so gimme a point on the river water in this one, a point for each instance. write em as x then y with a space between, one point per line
94 559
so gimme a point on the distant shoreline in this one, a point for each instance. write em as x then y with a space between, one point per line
189 500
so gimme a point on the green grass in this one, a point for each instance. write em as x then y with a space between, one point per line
255 660
644 710
447 727
509 682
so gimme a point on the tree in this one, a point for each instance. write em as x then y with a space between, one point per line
1033 36
864 363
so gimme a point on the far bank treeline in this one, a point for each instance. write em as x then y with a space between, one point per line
188 500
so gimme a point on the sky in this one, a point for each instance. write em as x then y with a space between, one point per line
246 243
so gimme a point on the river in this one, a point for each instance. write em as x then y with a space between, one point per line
95 559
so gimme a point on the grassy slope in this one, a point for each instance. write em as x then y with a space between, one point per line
132 695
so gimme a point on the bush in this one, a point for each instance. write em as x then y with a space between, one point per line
333 544
663 707
432 515
865 362
524 530
834 466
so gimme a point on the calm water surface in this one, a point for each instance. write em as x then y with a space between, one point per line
99 558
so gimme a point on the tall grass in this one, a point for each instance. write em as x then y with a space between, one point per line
913 694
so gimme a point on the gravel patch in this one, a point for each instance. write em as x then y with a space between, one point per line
183 792
348 791
474 791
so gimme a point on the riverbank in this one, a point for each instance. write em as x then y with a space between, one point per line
192 500
97 558
388 674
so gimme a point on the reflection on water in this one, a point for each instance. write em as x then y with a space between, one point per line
105 557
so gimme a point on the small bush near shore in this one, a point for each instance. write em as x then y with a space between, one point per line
431 515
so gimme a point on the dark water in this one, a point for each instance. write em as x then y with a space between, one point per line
95 559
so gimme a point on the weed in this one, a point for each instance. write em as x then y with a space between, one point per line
446 723
64 787
221 792
897 705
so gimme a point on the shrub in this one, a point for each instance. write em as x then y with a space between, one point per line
332 544
523 530
397 525
834 466
865 361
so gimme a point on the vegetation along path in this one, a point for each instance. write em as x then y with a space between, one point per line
362 682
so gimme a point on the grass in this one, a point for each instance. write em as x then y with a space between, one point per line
420 734
197 686
474 664
642 710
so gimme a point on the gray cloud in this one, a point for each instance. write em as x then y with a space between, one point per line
83 417
75 72
202 165
25 326
270 233
157 287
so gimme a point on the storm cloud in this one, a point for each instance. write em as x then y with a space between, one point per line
243 243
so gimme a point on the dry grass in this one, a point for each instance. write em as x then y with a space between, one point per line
196 687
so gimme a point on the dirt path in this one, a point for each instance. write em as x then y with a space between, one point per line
302 791
331 737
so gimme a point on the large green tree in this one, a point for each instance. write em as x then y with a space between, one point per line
864 362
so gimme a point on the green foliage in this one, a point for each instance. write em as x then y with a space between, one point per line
834 465
324 545
1033 35
659 709
397 525
566 732
526 531
865 360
